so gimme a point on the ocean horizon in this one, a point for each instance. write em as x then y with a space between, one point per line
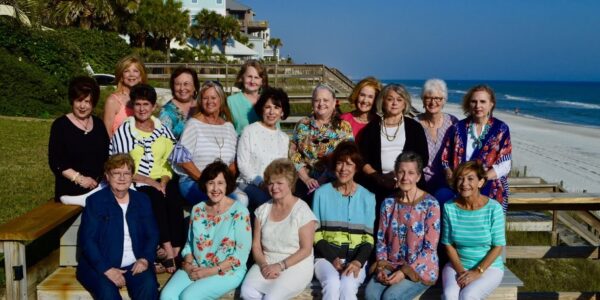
571 102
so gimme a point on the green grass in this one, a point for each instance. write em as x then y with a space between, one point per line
564 275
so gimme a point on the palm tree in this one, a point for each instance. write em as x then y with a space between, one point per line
230 26
205 26
275 43
170 22
84 13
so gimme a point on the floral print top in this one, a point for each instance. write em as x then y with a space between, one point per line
222 238
172 117
311 143
409 235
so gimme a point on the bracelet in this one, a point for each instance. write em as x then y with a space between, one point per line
220 271
281 265
480 269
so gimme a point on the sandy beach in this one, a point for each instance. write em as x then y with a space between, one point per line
554 151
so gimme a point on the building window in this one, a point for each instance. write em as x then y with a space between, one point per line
219 1
194 1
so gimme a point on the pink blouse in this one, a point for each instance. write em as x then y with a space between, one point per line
356 126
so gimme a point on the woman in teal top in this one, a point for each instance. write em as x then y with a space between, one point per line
473 233
250 80
218 244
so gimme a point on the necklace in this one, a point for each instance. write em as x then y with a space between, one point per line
405 199
478 141
345 192
384 130
84 125
220 145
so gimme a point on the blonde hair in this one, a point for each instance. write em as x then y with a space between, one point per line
223 108
282 167
125 63
118 160
400 90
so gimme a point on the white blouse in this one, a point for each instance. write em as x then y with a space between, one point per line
391 149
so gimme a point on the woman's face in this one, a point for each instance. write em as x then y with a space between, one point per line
216 188
210 102
131 76
119 179
142 110
433 102
468 185
366 98
345 170
279 187
271 113
184 87
481 104
82 108
407 176
393 104
323 104
252 80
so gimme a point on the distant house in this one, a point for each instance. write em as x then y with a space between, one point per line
258 32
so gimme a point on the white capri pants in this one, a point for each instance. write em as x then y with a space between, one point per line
335 286
478 289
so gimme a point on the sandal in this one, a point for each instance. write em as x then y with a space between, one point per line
159 268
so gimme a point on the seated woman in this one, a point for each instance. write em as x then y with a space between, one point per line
284 229
436 124
218 244
78 145
407 238
129 71
363 98
483 138
184 86
261 143
150 143
473 233
117 237
346 212
314 138
251 78
387 137
207 137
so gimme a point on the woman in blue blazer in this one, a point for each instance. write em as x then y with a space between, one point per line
117 237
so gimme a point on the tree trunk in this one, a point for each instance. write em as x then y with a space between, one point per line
168 45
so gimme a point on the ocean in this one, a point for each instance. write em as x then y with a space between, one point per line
565 102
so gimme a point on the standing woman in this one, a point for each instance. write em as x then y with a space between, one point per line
483 138
474 236
363 98
436 124
315 137
250 80
282 244
129 72
184 88
407 238
78 145
346 211
218 244
387 137
261 143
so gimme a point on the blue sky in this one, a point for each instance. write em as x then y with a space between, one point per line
505 40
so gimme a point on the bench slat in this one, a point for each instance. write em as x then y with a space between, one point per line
37 222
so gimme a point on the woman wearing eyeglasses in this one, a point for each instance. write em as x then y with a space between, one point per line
184 88
315 137
384 138
436 124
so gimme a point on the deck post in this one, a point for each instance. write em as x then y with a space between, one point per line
554 241
14 256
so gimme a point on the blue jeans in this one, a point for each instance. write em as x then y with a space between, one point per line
142 286
404 289
193 195
256 196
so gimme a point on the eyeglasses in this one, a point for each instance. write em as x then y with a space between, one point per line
434 99
120 174
214 82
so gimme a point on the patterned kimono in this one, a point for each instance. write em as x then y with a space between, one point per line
495 149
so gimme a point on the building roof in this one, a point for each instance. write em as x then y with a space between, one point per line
236 6
237 49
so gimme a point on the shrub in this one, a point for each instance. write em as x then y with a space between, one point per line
150 56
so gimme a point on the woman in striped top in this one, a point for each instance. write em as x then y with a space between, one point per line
473 233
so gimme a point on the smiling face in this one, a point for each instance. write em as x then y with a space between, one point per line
366 99
82 108
184 87
131 76
142 109
433 102
468 184
407 176
393 104
210 102
279 187
345 170
252 80
119 179
216 188
323 104
480 105
271 113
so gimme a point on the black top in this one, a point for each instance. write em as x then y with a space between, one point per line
70 148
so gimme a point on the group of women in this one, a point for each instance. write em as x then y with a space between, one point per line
369 194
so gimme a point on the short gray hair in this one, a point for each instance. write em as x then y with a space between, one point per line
435 85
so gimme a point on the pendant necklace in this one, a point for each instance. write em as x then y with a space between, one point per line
84 125
220 145
384 130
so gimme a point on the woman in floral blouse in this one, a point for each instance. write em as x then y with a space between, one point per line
315 137
409 231
219 242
